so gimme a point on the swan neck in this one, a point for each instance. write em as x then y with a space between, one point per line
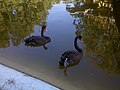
42 33
76 45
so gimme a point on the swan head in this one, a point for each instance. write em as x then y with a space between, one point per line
44 28
79 37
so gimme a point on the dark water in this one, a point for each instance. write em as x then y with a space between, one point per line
99 67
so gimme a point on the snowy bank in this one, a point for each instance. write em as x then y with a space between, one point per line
13 80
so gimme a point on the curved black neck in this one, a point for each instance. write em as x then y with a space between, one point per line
42 33
76 45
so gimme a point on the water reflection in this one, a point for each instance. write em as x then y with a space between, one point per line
102 41
71 58
101 35
78 22
116 6
35 41
44 63
17 19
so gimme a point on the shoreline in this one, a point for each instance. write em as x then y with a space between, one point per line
13 79
45 77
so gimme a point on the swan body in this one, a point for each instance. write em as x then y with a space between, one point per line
38 40
71 57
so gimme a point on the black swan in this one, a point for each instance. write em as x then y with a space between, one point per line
35 41
71 57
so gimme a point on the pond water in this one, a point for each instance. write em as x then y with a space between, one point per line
18 23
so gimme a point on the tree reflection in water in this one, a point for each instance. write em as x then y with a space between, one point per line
102 43
101 37
17 19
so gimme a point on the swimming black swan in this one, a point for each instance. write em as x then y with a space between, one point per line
38 40
71 57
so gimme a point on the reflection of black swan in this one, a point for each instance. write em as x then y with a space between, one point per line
72 57
38 40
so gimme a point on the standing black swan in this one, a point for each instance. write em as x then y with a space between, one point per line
71 57
38 40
